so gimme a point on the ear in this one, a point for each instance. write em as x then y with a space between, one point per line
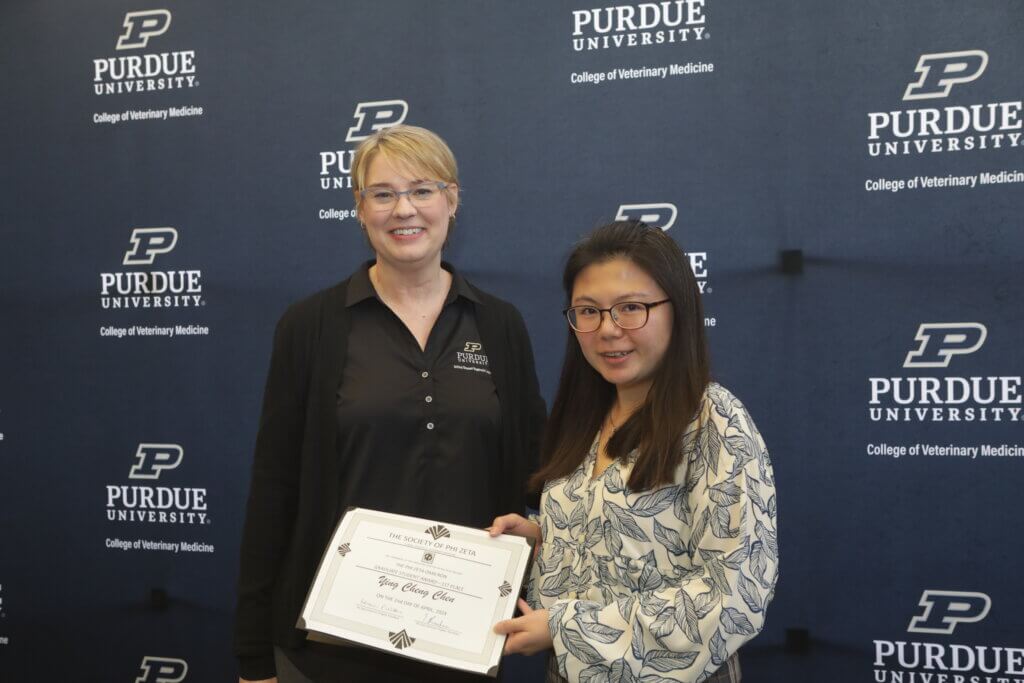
453 198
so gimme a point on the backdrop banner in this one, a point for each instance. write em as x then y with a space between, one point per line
846 178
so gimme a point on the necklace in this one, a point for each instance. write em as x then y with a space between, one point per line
611 421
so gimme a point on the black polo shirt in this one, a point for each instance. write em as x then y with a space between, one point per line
419 430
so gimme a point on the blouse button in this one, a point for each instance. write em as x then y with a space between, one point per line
430 425
428 399
424 374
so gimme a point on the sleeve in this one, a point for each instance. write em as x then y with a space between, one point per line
271 506
530 585
684 621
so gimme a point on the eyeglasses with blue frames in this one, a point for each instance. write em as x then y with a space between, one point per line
385 198
629 315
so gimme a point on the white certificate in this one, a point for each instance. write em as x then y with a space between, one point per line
426 590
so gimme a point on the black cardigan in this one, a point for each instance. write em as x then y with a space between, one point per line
293 503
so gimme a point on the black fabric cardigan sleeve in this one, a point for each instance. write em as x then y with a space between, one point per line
273 492
519 378
293 502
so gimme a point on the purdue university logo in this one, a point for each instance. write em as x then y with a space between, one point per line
153 458
139 27
147 243
938 396
941 341
929 129
373 116
965 660
157 502
149 72
943 610
162 670
472 357
941 71
151 288
655 215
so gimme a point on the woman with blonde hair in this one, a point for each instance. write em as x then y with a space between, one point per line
404 388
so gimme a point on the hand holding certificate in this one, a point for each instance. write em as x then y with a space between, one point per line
417 588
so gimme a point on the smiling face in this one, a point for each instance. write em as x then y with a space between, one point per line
628 359
406 235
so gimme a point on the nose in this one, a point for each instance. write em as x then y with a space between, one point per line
403 206
608 327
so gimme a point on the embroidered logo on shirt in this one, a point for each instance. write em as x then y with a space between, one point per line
472 358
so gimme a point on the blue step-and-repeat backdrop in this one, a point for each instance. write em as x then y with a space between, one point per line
847 178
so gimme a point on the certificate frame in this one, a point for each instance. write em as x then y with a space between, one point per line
417 588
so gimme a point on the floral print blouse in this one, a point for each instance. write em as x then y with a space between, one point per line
665 584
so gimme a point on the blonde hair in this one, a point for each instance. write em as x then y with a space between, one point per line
417 149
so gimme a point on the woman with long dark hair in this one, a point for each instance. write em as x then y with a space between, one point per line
657 525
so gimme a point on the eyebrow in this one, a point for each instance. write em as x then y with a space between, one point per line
631 296
412 183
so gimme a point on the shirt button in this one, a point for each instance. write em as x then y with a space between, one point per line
428 399
430 425
424 374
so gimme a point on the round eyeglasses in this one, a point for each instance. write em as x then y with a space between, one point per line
629 315
384 198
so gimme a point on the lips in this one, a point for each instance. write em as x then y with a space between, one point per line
409 234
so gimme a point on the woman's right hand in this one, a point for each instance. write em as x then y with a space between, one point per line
516 525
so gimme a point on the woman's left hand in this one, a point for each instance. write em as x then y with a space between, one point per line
527 634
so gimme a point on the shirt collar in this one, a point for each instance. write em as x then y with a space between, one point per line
360 288
459 285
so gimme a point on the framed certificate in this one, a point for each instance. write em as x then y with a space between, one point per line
416 588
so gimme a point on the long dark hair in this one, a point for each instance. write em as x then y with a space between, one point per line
584 397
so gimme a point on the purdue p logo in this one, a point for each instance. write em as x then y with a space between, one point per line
943 610
162 670
139 27
655 215
373 116
147 243
941 341
941 71
153 458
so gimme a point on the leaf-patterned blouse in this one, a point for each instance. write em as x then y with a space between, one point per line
665 584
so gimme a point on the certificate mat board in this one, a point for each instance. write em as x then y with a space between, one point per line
417 588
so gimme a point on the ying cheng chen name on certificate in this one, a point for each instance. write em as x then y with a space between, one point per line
416 588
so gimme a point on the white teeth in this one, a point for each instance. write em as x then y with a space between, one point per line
616 354
407 231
